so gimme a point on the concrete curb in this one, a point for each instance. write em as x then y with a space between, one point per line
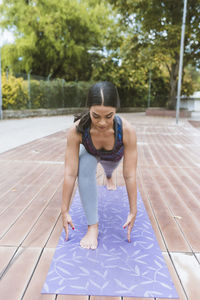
26 113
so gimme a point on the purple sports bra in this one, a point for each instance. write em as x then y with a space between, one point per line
110 155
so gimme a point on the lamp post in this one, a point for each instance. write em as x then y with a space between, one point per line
181 61
149 93
1 111
29 89
48 80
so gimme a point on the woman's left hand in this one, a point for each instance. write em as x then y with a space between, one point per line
130 222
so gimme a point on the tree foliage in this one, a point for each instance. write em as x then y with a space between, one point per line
158 27
89 39
54 37
18 93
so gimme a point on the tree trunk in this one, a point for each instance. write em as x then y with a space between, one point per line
171 104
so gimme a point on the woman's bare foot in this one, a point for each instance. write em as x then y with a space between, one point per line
111 184
89 241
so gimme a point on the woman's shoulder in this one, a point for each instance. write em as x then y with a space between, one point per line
127 126
73 134
129 131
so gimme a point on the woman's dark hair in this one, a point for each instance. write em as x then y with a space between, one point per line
101 93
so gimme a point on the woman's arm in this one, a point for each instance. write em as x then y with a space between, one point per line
129 173
70 175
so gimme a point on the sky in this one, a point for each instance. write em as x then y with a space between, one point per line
6 36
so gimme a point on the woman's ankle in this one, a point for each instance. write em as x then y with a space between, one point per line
93 226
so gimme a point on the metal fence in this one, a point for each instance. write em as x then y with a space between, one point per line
44 92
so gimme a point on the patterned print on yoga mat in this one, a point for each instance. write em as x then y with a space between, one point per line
116 267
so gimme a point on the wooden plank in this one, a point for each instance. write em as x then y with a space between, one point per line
6 170
28 151
20 230
30 171
181 203
175 278
16 278
16 206
15 178
186 157
188 270
45 224
42 229
14 153
55 235
34 288
53 152
6 253
171 231
53 240
57 149
11 196
191 177
145 199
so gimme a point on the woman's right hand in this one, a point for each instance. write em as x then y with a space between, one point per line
66 218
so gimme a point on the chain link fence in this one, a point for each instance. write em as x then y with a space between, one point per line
29 91
33 92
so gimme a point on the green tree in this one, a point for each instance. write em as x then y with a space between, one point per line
61 38
158 27
127 64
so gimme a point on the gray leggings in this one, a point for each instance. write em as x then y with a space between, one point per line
87 182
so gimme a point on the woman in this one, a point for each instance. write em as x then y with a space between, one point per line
99 136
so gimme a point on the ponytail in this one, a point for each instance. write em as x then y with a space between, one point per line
85 121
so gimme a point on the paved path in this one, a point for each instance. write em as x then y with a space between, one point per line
14 133
168 178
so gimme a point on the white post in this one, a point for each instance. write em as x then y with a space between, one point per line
181 62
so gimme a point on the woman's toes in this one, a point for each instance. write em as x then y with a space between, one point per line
93 247
88 246
82 244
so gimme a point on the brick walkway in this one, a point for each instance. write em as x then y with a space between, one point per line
168 178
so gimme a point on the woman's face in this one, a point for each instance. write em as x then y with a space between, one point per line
102 116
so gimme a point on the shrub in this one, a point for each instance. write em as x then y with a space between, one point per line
14 93
57 93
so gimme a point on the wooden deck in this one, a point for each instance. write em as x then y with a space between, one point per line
168 178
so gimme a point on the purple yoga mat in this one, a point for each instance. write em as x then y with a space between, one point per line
116 267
